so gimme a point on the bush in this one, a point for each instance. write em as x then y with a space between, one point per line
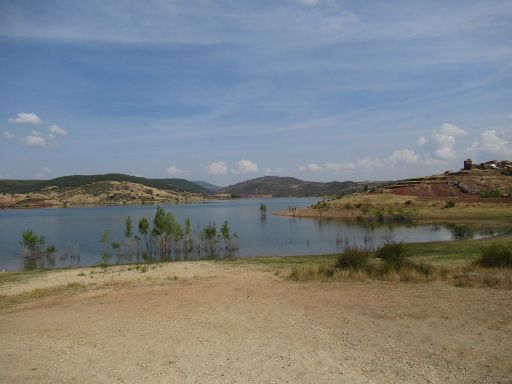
496 255
353 258
450 204
32 242
461 231
393 255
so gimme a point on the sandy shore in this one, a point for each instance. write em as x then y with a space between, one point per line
221 323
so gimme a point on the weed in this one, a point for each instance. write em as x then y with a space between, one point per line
496 255
393 255
353 258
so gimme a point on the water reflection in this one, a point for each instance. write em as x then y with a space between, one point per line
76 232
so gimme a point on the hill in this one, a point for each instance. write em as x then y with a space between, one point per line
289 186
28 186
97 193
211 187
483 192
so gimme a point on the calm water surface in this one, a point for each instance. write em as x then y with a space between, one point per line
76 231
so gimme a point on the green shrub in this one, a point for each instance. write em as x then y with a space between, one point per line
32 242
496 255
450 204
353 258
393 255
461 231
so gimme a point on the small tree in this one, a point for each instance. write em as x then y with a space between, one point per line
144 230
128 227
210 234
224 231
105 254
32 242
116 246
188 232
263 210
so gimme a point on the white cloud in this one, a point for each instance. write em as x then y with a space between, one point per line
445 153
367 163
37 139
452 130
403 156
245 166
25 118
309 2
338 167
8 135
313 167
445 139
421 141
493 143
34 141
217 168
55 129
173 170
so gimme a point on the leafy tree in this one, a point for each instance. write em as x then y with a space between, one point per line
105 254
224 231
50 250
163 222
210 234
263 210
128 227
188 232
144 230
32 242
116 246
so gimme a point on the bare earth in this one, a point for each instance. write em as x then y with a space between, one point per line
222 323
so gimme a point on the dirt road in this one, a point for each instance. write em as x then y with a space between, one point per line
239 324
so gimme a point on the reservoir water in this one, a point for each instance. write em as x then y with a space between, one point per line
76 232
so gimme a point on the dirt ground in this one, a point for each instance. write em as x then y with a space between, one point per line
219 323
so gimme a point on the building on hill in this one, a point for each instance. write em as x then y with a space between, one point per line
468 164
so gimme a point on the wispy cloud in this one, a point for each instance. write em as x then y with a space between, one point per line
172 170
312 167
8 135
217 168
245 166
34 141
55 129
25 118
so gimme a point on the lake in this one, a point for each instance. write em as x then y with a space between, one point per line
76 232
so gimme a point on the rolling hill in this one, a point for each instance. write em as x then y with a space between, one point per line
288 186
28 186
211 187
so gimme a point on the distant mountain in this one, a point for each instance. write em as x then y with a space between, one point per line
288 186
211 187
27 186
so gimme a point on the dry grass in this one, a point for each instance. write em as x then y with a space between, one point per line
40 293
467 276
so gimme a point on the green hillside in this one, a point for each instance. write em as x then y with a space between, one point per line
27 186
289 186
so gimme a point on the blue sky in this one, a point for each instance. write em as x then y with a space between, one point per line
225 91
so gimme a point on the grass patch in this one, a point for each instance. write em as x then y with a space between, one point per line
15 277
393 255
496 255
40 293
395 262
353 258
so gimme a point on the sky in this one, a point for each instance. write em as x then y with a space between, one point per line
230 90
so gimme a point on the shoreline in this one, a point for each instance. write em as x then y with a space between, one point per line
264 259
